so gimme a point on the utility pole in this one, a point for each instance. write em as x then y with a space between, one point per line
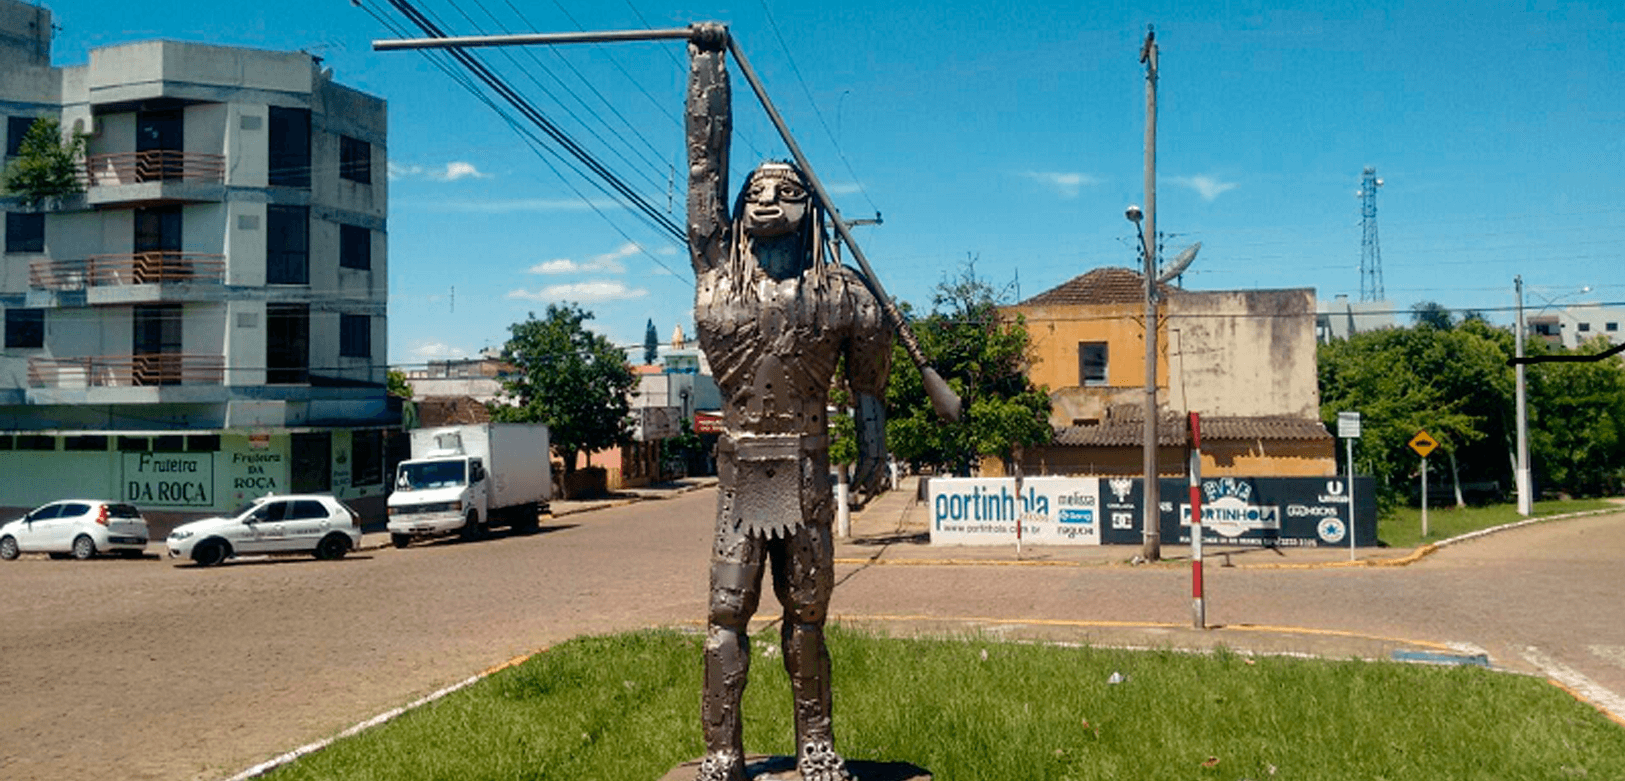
1526 504
1152 517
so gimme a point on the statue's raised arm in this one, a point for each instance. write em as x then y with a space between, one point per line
708 121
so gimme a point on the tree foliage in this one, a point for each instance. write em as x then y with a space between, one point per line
398 386
1453 381
47 165
575 381
1577 423
984 359
651 344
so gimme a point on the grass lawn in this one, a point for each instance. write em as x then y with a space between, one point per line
1402 528
625 708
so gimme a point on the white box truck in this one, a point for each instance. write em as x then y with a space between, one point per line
465 479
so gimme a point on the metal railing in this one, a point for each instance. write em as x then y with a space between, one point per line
156 165
156 267
116 371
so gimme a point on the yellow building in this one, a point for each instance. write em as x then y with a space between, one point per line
1244 360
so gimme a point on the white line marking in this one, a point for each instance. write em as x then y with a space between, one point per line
1568 676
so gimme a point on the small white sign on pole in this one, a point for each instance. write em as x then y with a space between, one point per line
1348 425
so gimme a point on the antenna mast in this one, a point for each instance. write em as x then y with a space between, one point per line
1370 250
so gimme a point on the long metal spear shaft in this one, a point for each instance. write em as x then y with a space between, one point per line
943 399
528 39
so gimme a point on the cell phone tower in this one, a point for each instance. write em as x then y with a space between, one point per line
1370 250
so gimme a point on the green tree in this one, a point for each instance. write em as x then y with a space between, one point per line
398 386
651 344
575 381
1452 383
984 359
46 166
1577 423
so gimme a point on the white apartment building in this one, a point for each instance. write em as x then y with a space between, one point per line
206 322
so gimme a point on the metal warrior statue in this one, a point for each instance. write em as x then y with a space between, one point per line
777 314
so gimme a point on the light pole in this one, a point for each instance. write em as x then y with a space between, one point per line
1152 518
1151 514
1526 504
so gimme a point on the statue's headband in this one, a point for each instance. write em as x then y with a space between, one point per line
774 169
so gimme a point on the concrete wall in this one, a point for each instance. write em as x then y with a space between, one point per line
1245 353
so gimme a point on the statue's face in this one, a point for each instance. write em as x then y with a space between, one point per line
774 206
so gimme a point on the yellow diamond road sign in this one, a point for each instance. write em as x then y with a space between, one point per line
1423 444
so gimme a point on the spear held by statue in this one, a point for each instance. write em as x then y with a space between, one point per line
943 399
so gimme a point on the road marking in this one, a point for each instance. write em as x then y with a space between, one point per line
1583 688
1612 653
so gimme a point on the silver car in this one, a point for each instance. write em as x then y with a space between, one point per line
298 523
80 528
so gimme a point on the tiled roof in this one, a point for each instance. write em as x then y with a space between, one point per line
1125 426
1110 285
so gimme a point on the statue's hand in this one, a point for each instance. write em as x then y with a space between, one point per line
708 36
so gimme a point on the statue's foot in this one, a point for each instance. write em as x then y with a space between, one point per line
722 766
819 762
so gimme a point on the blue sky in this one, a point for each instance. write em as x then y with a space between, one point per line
1008 133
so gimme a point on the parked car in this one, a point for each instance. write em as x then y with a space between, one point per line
81 528
299 523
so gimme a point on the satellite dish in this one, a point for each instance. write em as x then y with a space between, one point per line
1181 262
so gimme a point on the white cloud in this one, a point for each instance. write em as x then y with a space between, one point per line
607 263
844 188
582 292
1067 184
453 171
436 351
1205 186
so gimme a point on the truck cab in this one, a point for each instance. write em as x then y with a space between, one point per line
464 479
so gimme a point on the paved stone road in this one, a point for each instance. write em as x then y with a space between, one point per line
145 670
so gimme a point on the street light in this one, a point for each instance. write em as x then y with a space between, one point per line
1522 476
1151 515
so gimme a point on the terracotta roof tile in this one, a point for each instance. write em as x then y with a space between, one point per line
1109 285
1125 426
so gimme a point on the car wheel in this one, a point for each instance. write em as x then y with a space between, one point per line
83 547
209 553
400 540
8 548
473 529
332 547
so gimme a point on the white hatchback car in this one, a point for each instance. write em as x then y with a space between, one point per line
301 523
81 528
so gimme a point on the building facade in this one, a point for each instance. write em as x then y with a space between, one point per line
1243 360
206 321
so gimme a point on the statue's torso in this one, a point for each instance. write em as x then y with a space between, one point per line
773 346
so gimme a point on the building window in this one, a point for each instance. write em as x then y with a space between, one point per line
1584 327
25 329
169 443
287 344
287 245
355 160
355 247
134 444
355 336
25 232
1091 363
35 442
16 129
1611 327
367 456
289 147
85 442
203 443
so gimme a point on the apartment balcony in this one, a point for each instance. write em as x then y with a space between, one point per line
127 371
135 278
156 176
